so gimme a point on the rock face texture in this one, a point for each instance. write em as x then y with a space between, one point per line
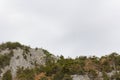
86 77
80 77
22 59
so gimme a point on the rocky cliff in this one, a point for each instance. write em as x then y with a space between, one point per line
20 62
14 56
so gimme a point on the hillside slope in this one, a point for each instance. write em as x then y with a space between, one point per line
14 56
20 62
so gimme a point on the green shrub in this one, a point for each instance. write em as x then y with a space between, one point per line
7 75
44 78
58 76
4 60
25 74
105 76
92 74
46 52
12 45
67 77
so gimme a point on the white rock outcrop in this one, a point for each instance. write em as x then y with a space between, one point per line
20 59
80 77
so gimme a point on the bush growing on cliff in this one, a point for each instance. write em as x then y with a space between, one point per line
25 74
105 76
7 75
4 60
12 45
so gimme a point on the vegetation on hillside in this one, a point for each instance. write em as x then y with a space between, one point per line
5 59
7 75
13 45
63 68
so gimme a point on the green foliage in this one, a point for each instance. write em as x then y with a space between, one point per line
67 77
12 45
46 52
44 78
92 74
105 76
5 60
26 49
69 66
94 59
117 60
48 58
39 69
7 75
64 67
25 74
81 60
58 76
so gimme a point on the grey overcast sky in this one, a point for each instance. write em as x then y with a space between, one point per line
68 27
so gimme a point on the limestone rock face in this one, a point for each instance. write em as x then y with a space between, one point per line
80 77
86 77
22 59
